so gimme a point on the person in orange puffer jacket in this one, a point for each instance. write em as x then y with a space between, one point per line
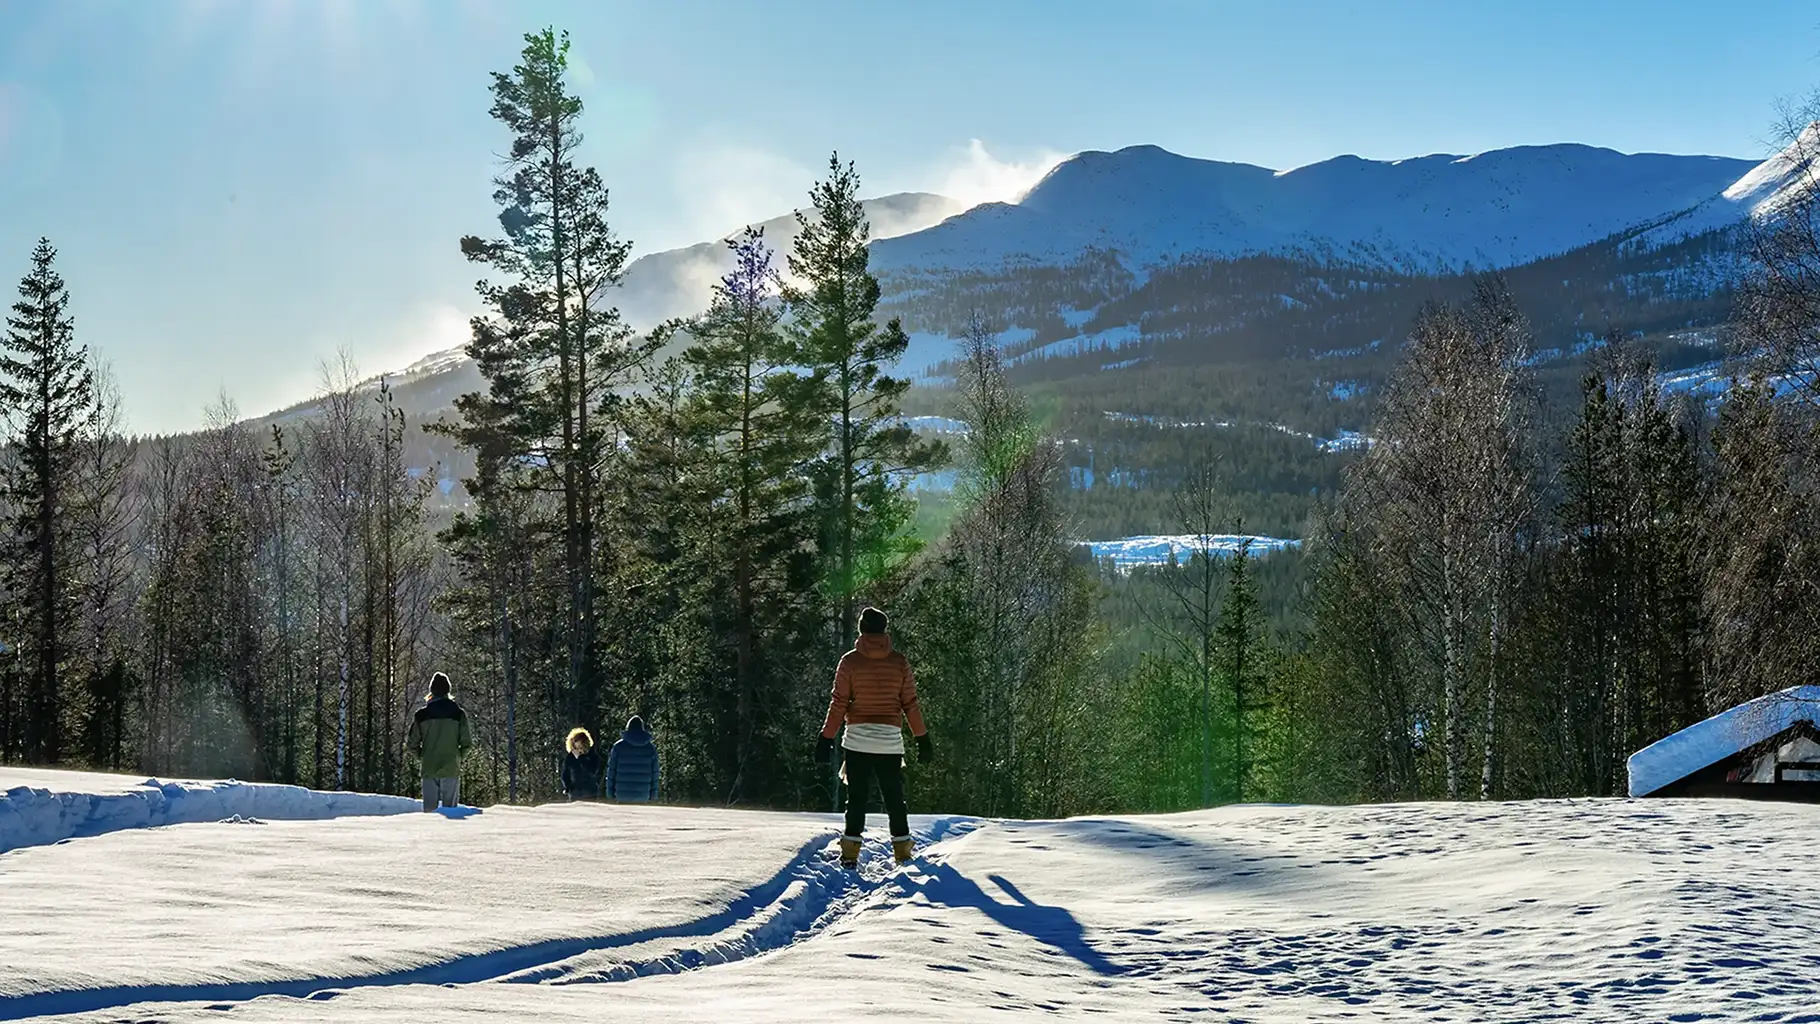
874 693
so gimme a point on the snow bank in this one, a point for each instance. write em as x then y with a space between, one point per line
1702 744
38 807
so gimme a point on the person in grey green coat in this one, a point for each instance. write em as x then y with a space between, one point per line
439 736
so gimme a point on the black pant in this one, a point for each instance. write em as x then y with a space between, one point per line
888 769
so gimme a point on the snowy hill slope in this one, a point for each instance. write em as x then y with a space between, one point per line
1441 212
1587 910
1762 191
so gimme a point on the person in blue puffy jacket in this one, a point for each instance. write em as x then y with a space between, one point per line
632 765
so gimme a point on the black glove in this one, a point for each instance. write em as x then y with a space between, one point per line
925 749
824 750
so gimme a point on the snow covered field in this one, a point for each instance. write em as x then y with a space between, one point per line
1598 910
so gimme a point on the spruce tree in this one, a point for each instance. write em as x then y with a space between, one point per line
493 543
1761 561
1237 642
1594 474
760 428
47 384
1630 629
673 610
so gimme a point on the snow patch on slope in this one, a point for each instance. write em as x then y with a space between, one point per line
1343 441
1712 382
929 349
1109 340
936 425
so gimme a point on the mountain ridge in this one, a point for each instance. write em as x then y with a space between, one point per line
1419 214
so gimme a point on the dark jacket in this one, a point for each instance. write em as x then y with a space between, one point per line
632 765
439 736
581 775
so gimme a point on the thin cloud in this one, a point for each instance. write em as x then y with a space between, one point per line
979 177
723 188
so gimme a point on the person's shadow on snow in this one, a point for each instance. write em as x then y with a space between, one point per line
1052 926
457 813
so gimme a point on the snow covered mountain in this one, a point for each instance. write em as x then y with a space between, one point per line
1432 213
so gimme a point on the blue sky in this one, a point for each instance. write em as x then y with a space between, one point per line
240 187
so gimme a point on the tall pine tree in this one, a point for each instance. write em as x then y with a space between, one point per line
552 356
860 482
47 384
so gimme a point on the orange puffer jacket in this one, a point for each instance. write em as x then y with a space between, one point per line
873 685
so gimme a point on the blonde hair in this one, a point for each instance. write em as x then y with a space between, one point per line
578 733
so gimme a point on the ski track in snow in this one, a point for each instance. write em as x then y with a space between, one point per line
1602 910
810 892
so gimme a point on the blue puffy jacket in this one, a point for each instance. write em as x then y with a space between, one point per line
632 765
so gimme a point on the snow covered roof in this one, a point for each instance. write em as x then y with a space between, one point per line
1675 757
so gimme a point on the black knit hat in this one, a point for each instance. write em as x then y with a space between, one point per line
872 621
439 685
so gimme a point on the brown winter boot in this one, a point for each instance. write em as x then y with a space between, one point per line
849 853
901 848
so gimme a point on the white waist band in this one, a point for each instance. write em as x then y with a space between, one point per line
872 738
